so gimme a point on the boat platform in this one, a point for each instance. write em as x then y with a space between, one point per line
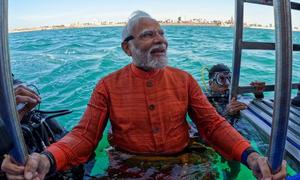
259 113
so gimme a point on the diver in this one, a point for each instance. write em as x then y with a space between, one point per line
39 128
26 99
218 95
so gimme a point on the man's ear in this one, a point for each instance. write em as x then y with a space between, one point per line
126 49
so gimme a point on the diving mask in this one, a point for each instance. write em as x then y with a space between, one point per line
222 78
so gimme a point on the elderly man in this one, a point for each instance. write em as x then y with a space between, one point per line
147 103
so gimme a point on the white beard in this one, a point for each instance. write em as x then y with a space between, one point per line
145 60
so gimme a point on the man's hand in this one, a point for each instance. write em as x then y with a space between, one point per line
259 88
26 96
36 167
234 107
261 170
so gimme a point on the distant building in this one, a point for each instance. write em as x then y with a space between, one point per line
179 20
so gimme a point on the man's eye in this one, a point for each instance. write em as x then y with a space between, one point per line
148 34
162 33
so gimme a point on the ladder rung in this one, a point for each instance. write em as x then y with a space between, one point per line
263 2
264 46
258 45
296 47
250 89
294 5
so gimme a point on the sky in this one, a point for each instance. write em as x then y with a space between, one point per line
33 13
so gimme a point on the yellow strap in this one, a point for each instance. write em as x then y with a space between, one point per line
203 78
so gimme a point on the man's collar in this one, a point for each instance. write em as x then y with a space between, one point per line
144 74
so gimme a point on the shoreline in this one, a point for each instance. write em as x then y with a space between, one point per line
81 26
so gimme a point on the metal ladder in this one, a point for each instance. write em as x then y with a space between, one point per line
283 86
239 45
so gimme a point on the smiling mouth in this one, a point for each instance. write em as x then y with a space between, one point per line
159 51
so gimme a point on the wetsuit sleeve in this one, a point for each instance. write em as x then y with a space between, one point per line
212 127
76 147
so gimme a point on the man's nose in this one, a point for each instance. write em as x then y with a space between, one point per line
228 81
158 39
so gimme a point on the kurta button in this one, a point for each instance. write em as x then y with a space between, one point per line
155 130
151 107
149 84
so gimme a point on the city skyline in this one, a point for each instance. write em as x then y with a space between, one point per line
178 22
33 13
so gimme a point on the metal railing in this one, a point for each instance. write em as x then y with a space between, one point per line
284 56
284 49
8 109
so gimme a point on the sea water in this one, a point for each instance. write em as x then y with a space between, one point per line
66 64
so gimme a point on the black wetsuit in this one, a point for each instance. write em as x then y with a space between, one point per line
220 101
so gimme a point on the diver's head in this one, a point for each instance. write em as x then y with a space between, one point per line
219 78
144 40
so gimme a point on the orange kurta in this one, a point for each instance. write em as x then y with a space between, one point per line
148 112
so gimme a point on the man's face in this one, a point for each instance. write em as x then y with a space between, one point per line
216 88
149 46
220 82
